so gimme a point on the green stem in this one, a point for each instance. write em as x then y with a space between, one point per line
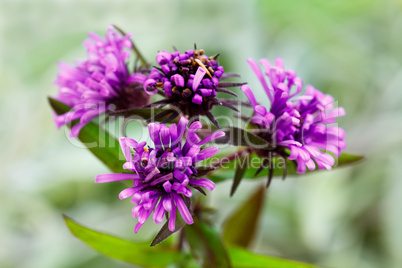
232 156
135 49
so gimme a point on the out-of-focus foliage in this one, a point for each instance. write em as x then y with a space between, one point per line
205 241
229 167
240 228
99 142
120 249
348 217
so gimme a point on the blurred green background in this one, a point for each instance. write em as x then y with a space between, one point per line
350 217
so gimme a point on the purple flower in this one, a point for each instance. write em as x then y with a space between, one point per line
190 82
102 79
299 123
166 173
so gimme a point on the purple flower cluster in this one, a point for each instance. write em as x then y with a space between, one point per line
102 79
189 81
166 173
297 123
299 126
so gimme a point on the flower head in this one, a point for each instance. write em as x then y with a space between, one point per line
102 79
296 122
165 173
190 82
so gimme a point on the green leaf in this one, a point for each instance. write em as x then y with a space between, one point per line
227 170
105 147
164 233
241 226
240 137
243 258
58 107
241 166
131 252
347 159
206 245
144 114
163 255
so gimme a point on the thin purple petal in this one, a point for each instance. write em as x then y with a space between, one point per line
183 209
198 77
102 178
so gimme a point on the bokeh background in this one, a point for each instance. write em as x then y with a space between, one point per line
350 217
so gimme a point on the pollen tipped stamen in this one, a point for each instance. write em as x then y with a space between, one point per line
203 67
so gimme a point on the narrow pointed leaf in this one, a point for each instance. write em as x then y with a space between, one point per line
241 166
144 114
240 137
202 171
227 171
347 159
241 258
164 233
135 253
206 245
105 147
241 226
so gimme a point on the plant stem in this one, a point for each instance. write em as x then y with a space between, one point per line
134 48
231 156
